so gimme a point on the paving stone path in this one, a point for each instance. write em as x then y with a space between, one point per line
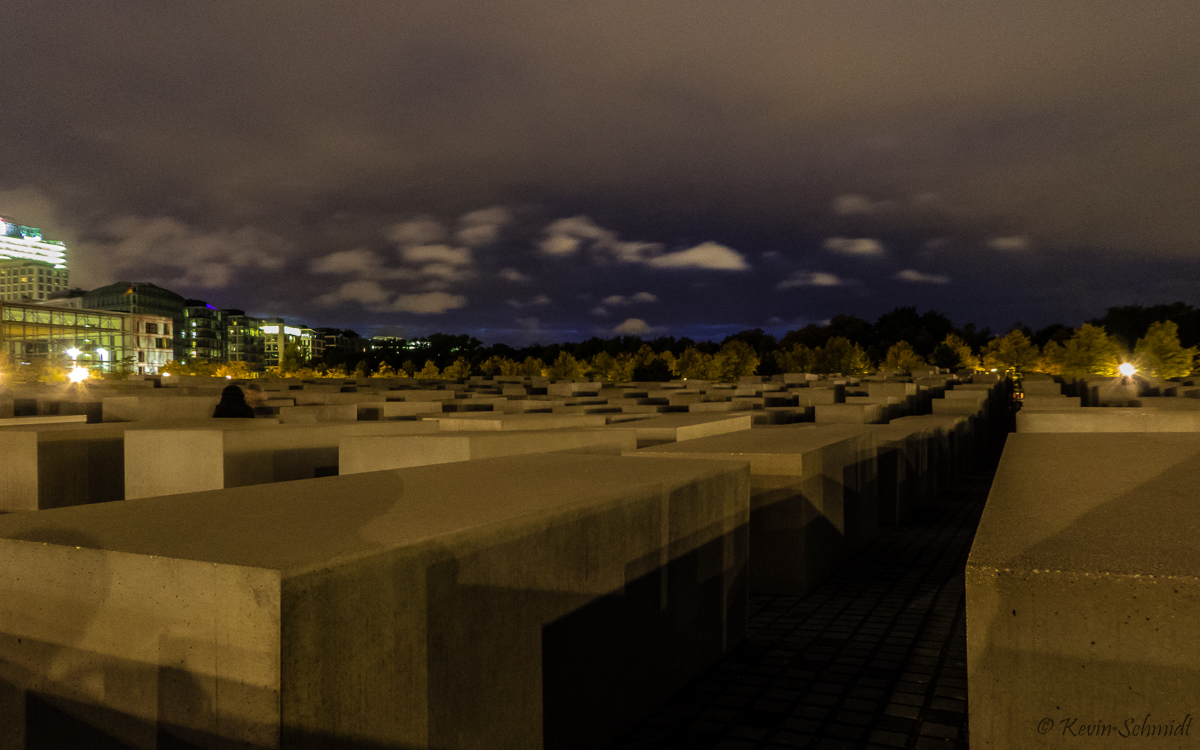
874 658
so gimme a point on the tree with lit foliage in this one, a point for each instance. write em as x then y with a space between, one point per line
903 358
429 372
840 355
1051 359
736 359
565 367
491 365
1013 352
239 370
799 358
532 367
693 364
290 359
1159 353
1091 351
954 354
458 370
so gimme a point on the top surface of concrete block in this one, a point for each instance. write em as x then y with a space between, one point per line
1118 503
1108 420
318 522
763 447
504 421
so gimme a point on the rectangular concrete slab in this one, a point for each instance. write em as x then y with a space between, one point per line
813 500
475 421
55 465
172 461
1083 594
377 453
1096 419
847 413
532 601
158 407
670 428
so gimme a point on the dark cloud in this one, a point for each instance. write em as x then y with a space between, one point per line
415 166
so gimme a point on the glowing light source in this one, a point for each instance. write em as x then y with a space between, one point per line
1126 369
74 353
78 375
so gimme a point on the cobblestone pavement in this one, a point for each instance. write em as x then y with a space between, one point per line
874 658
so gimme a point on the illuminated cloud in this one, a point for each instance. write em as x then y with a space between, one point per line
1017 244
515 276
810 278
633 327
862 246
707 255
617 299
368 293
482 227
444 254
203 260
916 277
346 262
428 303
422 231
566 236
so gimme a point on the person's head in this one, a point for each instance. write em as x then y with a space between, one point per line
232 395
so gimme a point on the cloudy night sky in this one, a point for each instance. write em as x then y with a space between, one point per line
542 171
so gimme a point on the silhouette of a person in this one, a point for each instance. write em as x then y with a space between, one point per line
233 405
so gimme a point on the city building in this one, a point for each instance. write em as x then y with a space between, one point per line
138 298
244 339
19 242
22 279
276 337
95 339
203 333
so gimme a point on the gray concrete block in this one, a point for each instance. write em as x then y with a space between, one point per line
813 498
1054 403
521 602
1108 420
173 461
1082 595
670 428
55 465
377 453
159 407
475 421
847 413
314 413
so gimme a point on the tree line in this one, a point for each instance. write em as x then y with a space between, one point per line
1160 340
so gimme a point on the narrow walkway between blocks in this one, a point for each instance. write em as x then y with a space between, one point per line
874 658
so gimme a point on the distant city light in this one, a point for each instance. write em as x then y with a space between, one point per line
1126 369
78 375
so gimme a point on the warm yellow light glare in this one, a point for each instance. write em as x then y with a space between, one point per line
78 375
1126 369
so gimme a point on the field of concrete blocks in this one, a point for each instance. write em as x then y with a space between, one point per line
517 562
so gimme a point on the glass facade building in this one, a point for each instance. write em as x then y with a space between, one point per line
30 331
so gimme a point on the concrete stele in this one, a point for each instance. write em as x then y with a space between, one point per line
1083 593
516 602
813 498
378 453
173 461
